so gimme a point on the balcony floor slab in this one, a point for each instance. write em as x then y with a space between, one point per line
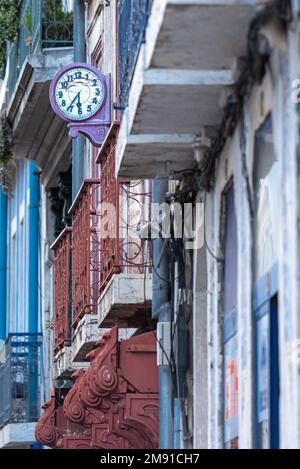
64 366
160 154
85 336
17 435
122 303
183 107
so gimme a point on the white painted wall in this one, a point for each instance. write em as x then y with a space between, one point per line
274 95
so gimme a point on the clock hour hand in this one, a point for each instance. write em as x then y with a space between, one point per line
78 100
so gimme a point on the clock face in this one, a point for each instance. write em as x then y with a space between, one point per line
79 93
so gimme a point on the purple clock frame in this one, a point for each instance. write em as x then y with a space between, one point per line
95 127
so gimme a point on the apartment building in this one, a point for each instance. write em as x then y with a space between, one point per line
189 338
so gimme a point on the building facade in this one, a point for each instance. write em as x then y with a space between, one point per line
212 108
25 296
154 279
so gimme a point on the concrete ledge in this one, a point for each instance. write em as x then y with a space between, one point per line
175 77
122 303
70 359
85 336
18 435
37 69
160 154
64 366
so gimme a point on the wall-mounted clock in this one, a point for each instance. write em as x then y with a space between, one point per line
80 95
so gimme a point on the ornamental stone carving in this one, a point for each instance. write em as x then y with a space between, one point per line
109 407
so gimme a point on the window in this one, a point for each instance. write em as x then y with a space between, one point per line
231 383
265 292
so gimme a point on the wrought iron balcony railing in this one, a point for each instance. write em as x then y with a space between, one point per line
85 262
122 250
20 379
132 22
105 214
62 289
43 24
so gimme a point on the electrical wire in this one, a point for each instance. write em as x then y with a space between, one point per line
218 259
181 307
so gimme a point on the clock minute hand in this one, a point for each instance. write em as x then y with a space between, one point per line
73 101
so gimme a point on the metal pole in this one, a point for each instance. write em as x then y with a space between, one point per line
79 54
161 308
3 263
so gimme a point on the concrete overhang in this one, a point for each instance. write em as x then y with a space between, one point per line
64 366
86 335
180 101
184 73
201 34
17 435
157 155
122 303
38 134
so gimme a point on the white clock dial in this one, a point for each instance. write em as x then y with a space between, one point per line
79 93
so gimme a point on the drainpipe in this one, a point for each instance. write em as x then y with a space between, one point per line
79 55
161 309
33 282
33 267
3 263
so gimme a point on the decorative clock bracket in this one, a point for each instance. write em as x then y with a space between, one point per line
95 127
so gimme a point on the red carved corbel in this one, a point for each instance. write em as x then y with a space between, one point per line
102 373
46 432
109 406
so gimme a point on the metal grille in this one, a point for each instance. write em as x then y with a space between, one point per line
20 379
57 24
62 289
43 24
109 222
85 266
121 250
132 21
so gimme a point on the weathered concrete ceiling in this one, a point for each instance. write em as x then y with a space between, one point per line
185 72
196 33
35 126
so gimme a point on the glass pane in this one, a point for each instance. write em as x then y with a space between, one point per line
263 382
230 267
267 195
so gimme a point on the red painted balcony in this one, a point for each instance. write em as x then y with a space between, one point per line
125 266
105 215
85 250
62 300
121 249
